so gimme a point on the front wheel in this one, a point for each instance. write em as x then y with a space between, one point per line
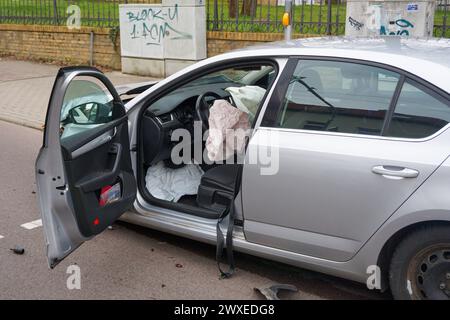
420 265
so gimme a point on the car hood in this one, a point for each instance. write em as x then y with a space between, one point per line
134 88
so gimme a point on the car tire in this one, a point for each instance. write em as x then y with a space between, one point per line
420 265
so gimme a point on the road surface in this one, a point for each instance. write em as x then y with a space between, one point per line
127 262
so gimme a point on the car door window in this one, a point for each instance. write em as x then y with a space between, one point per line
87 104
418 113
338 96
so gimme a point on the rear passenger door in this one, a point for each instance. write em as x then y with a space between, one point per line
354 141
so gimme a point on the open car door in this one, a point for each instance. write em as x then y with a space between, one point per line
83 171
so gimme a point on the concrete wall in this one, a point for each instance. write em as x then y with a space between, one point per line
161 39
390 17
71 47
220 42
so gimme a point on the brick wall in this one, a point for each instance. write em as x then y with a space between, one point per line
59 44
71 47
220 42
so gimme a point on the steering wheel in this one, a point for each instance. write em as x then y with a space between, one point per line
202 108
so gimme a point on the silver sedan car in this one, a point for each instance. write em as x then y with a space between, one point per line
343 165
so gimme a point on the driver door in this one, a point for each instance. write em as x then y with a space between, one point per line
83 171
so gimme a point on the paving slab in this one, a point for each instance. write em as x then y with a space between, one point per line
25 89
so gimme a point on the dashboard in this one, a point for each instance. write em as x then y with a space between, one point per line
171 112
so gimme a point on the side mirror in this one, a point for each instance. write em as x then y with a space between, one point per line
91 113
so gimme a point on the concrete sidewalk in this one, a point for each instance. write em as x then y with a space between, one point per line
25 89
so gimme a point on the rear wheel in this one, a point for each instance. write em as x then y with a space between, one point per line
420 266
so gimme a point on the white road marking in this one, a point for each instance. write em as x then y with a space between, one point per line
1 237
32 224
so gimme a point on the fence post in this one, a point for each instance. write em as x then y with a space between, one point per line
216 15
55 12
444 23
287 20
329 17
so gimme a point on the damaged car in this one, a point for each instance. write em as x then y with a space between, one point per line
339 161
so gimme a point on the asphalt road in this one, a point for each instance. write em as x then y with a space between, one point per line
127 262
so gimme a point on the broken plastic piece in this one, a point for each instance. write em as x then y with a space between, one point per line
18 250
271 293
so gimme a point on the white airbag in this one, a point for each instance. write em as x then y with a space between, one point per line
171 184
247 98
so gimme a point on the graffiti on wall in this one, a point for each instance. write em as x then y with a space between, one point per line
387 23
355 23
153 25
399 27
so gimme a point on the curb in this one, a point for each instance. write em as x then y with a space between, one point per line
25 123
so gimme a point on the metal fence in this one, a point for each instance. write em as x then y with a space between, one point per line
441 28
308 16
93 13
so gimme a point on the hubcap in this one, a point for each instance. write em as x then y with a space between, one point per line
433 274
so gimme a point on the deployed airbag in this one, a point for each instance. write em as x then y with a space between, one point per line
228 128
171 184
247 98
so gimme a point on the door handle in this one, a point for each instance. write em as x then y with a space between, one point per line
93 144
393 171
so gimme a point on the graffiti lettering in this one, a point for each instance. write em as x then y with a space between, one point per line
154 25
402 28
355 24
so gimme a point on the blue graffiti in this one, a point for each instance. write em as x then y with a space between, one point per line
402 23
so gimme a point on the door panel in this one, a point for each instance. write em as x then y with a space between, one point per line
83 171
339 176
87 173
325 188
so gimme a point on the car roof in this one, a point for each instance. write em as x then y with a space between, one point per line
428 58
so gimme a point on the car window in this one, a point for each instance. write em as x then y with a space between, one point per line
338 96
237 75
87 104
418 113
244 85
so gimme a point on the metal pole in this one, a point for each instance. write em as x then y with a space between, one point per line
91 49
216 15
444 23
288 28
55 12
329 17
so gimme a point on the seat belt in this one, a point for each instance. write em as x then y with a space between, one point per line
230 211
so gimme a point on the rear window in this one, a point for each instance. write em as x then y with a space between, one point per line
419 112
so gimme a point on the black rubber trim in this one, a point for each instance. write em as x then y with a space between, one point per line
271 118
279 92
392 105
